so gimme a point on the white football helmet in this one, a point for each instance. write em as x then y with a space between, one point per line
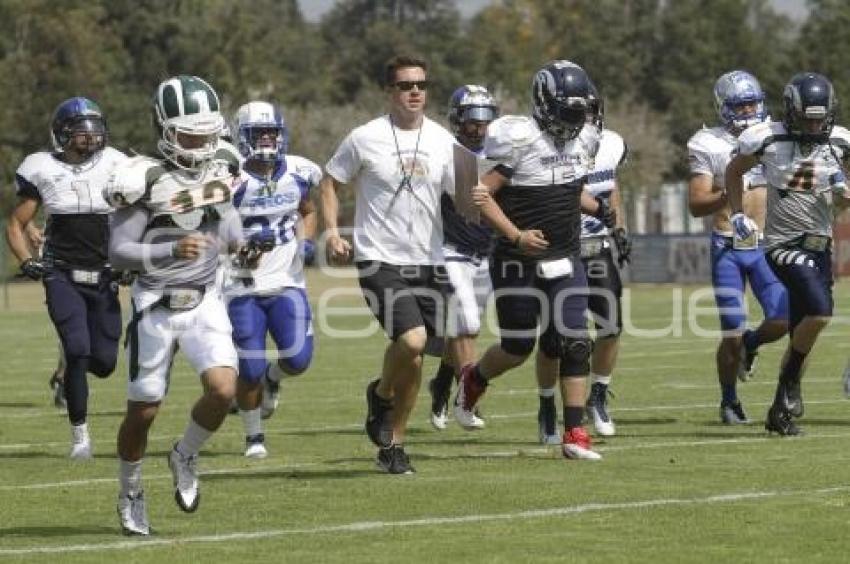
252 120
187 116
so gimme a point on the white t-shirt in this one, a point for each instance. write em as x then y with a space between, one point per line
394 222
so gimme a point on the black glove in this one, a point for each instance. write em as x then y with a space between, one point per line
33 268
124 277
623 244
605 213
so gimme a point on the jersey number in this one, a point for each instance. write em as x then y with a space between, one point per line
285 228
804 177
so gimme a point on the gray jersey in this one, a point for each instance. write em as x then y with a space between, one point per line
158 205
800 180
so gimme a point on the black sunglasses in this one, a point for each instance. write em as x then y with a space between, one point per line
407 85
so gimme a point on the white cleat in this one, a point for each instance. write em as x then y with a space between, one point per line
185 477
133 514
440 420
577 445
271 397
597 411
80 443
467 418
255 447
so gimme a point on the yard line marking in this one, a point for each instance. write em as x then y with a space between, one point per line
369 526
350 426
547 452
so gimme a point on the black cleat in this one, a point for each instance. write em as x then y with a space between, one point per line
794 398
393 460
779 421
378 417
57 384
440 393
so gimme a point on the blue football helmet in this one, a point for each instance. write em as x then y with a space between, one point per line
560 99
471 102
254 118
734 90
77 115
809 97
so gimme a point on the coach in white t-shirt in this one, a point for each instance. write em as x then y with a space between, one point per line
399 165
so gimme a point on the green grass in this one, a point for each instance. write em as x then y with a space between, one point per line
674 485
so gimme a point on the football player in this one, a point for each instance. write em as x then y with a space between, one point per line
740 104
603 279
534 198
81 299
802 158
272 194
174 219
466 248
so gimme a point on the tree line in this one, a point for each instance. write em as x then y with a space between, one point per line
654 62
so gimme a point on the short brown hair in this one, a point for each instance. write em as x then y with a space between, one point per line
399 62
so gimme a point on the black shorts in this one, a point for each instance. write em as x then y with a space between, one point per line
605 290
406 296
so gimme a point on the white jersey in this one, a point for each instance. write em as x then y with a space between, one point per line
271 205
544 185
709 152
602 179
800 184
72 197
175 202
397 222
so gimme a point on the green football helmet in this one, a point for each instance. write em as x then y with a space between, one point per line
187 117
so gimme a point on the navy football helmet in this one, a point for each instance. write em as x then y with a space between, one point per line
733 93
810 107
560 99
596 109
77 115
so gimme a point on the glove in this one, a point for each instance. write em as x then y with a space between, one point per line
262 241
32 268
605 213
124 277
307 247
623 244
743 226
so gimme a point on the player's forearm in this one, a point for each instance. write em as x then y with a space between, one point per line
617 205
495 217
16 240
126 249
707 204
309 220
735 180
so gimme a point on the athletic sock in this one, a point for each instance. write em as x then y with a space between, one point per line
130 476
252 421
600 379
445 374
193 439
573 416
752 340
729 394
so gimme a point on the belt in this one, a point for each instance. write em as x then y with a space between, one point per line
593 246
181 298
89 277
814 243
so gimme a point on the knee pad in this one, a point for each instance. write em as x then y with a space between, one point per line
551 344
517 346
575 357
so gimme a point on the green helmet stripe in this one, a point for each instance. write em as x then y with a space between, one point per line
170 102
191 87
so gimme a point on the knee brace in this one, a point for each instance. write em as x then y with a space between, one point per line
575 357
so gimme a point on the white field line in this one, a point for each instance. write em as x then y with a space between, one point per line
357 527
350 426
501 454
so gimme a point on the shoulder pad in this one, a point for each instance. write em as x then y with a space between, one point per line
306 169
840 137
508 133
31 164
753 138
130 180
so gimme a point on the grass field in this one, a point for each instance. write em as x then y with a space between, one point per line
674 486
